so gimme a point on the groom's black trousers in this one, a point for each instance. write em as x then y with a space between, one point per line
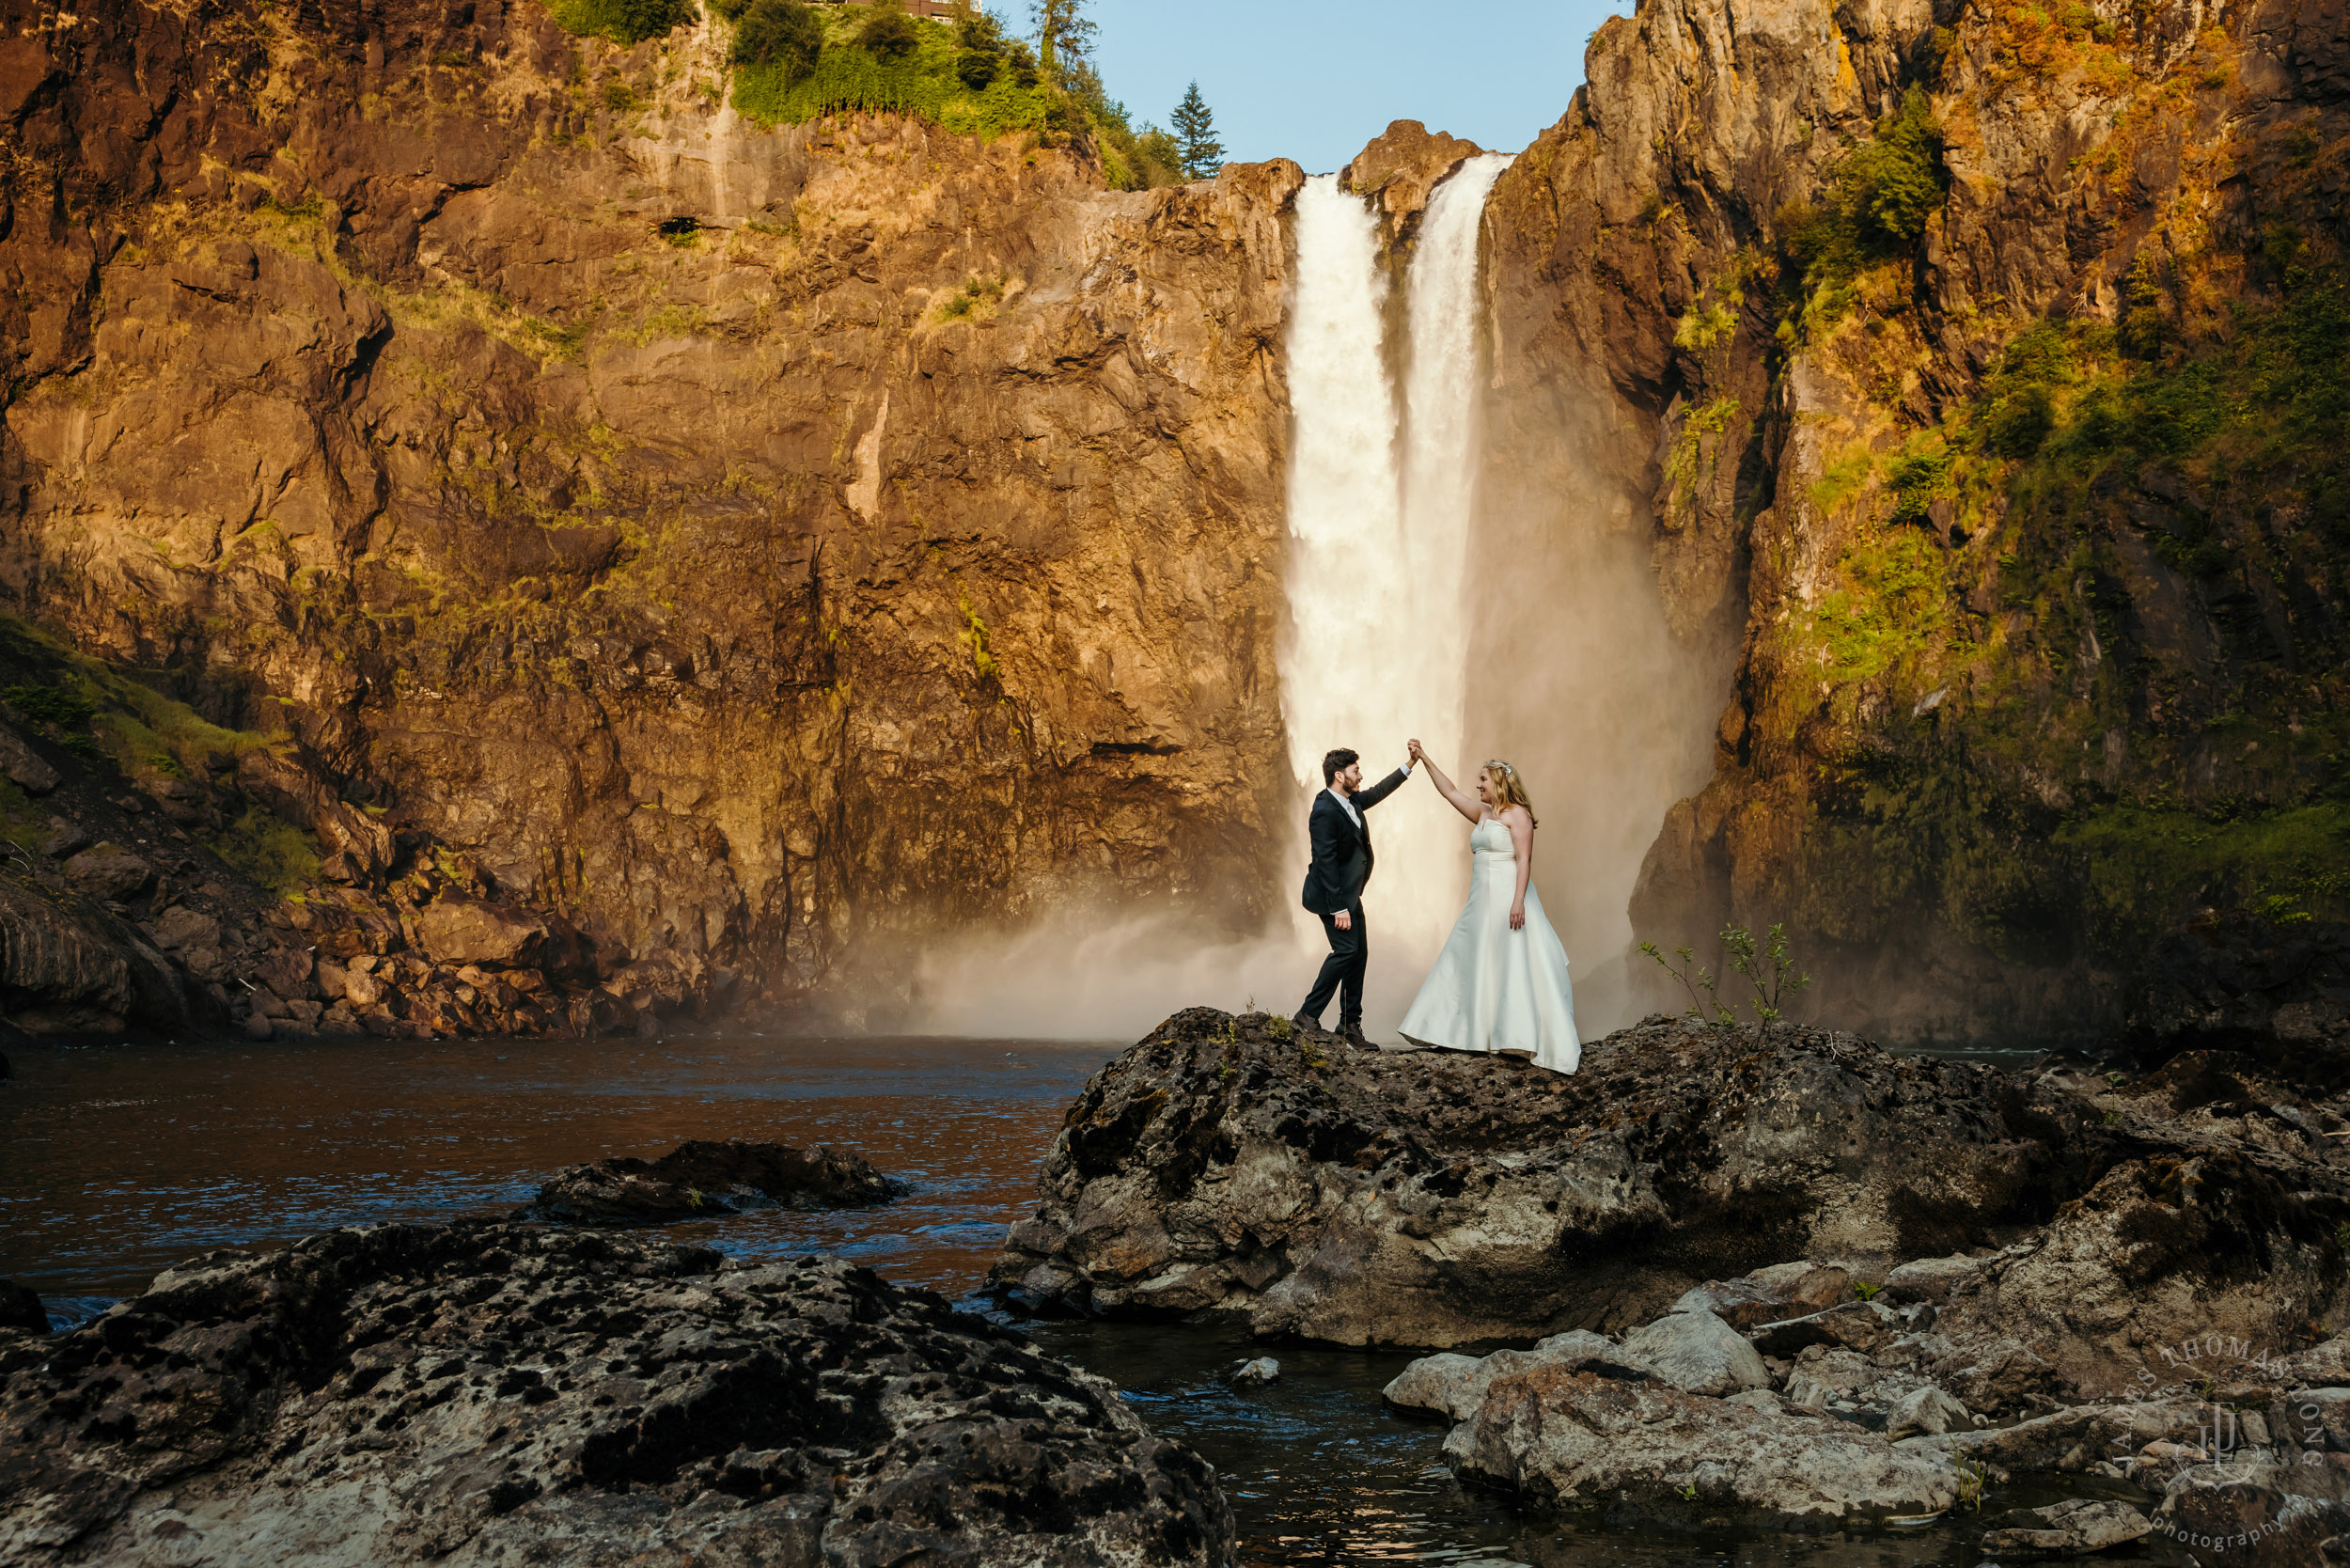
1343 971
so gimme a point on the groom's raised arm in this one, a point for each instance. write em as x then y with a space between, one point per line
1365 799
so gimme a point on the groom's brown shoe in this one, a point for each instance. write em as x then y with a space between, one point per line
1353 1035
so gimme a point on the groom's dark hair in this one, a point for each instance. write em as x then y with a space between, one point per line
1337 762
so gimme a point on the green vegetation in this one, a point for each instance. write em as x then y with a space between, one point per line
275 853
1892 602
780 36
1693 452
1766 966
977 292
92 710
623 20
795 63
1880 194
865 63
1194 135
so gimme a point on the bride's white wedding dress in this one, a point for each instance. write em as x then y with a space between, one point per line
1494 989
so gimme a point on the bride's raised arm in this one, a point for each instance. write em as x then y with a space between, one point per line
1467 805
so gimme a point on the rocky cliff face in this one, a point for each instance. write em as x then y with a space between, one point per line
1970 373
747 542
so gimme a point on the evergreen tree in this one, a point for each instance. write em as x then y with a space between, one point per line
1194 137
1064 35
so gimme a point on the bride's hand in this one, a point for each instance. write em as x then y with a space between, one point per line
1517 916
1413 746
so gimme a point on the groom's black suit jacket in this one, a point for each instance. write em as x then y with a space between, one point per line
1342 858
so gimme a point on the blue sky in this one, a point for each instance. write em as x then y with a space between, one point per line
1314 79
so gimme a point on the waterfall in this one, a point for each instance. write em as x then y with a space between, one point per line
1377 644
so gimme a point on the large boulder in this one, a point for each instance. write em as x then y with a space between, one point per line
109 872
23 766
19 1307
1557 1436
2164 1253
456 930
699 1179
1436 1200
1453 1386
81 971
490 1393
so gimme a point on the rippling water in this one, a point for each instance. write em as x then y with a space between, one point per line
117 1161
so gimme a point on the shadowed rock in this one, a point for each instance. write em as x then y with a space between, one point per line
699 1179
1556 1436
19 1307
1432 1199
1223 1164
487 1392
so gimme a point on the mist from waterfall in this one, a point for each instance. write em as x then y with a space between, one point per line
1380 499
1389 547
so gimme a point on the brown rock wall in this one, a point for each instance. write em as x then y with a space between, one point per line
896 540
1645 303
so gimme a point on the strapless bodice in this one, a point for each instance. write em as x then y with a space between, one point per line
1492 838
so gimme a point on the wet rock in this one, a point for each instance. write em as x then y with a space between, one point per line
112 874
2278 1515
1696 1352
481 1393
1927 1410
1437 1200
2067 1528
1555 1436
471 930
699 1179
1256 1374
20 1308
23 766
1453 1386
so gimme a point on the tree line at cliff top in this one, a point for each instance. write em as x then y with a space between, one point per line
795 62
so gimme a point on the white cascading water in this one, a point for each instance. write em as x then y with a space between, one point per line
1377 645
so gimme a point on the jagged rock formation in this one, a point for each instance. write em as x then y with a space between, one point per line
1578 1420
740 543
475 1393
699 1178
1227 1164
1988 433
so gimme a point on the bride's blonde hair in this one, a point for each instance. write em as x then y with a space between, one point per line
1508 791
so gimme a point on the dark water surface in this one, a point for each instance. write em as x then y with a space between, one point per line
118 1161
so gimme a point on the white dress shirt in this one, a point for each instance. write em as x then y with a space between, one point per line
1346 803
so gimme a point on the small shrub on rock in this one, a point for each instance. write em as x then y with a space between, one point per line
779 33
889 35
623 20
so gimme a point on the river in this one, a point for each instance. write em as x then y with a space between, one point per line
118 1160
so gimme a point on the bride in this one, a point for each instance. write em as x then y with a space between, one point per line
1500 984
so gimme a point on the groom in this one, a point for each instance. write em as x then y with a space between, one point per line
1334 885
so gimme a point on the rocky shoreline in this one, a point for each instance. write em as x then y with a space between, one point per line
479 1393
1227 1164
1929 1274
